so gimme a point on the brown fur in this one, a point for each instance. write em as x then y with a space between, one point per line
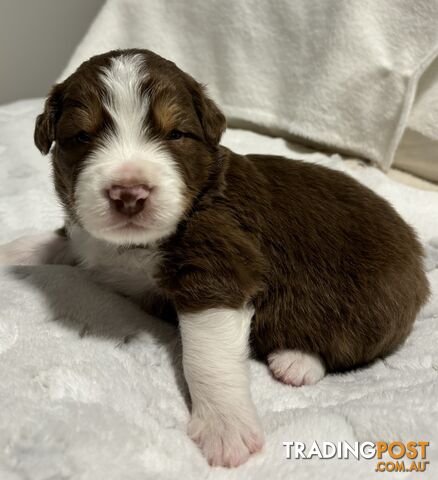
330 267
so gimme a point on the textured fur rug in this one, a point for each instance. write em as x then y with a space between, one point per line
91 388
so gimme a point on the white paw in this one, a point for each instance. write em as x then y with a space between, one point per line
12 253
224 441
36 249
296 368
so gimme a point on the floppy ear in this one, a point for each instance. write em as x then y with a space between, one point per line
45 125
212 119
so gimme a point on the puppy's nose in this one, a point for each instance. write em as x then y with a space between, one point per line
128 200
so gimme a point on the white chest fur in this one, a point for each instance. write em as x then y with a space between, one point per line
129 271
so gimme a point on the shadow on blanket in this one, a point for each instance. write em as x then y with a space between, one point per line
90 309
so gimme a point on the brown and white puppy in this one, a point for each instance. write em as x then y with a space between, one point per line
308 267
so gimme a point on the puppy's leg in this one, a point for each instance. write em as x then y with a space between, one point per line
224 421
296 368
38 249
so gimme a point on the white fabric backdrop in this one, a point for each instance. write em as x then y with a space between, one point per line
339 73
418 151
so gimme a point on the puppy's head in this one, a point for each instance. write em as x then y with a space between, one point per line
134 143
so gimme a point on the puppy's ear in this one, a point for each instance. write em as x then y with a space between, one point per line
45 125
212 119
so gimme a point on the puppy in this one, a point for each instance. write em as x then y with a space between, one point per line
303 264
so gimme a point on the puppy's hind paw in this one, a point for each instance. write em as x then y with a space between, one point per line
297 368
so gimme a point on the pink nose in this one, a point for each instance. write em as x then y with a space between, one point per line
128 200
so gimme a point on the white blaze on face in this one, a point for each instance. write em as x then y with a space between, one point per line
128 156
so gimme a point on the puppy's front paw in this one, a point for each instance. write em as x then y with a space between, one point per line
226 442
38 249
8 254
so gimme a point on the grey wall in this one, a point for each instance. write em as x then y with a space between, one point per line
36 39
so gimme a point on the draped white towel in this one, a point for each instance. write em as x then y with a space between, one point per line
338 73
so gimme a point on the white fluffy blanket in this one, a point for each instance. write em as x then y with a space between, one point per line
341 73
91 388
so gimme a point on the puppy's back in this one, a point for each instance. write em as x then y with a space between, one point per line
349 268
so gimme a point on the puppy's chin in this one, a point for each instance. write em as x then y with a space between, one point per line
130 234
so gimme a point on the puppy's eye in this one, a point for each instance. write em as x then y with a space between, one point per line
83 137
175 135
